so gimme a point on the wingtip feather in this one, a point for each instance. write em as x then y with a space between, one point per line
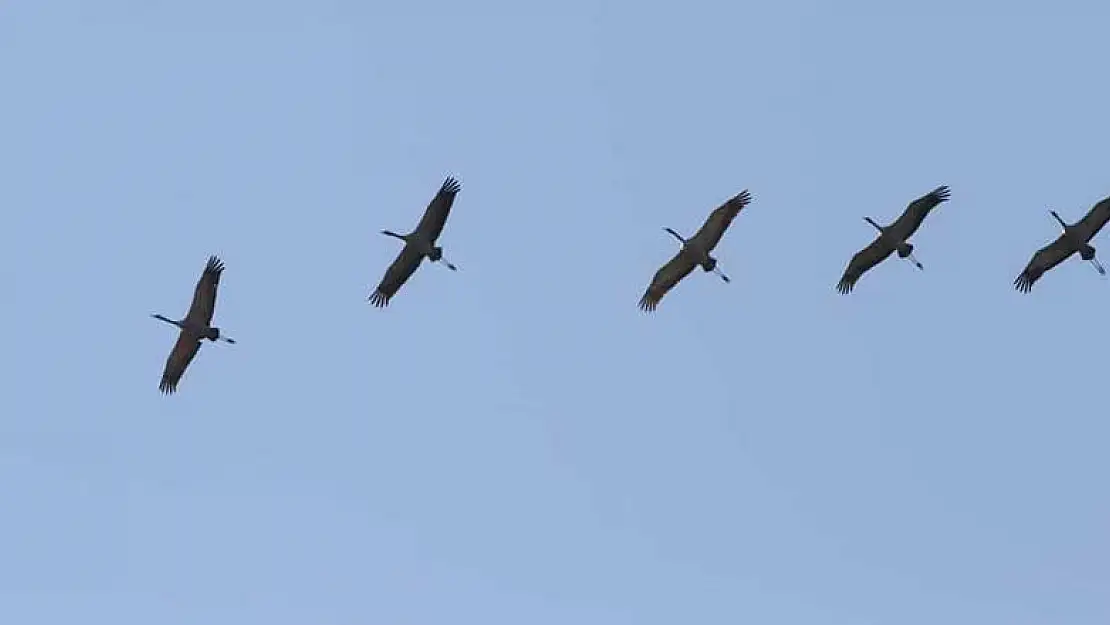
214 265
451 185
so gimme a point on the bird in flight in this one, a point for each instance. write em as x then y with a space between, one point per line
196 325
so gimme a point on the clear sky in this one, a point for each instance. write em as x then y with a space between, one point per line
516 443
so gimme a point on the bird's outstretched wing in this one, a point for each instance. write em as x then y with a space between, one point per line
1094 220
435 215
204 296
664 280
863 260
398 272
183 352
917 210
1044 259
709 235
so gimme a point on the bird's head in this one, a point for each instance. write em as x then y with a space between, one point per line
1059 219
675 234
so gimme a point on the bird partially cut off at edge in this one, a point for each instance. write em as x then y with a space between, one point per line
894 237
1074 238
194 327
695 251
419 244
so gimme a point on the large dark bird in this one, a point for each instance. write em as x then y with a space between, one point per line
1074 238
419 243
695 251
195 326
892 238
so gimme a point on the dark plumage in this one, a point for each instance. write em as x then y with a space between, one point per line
892 238
694 252
419 244
1074 238
194 327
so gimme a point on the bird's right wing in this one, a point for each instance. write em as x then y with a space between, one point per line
435 215
204 296
664 280
1044 259
863 260
183 352
709 235
398 272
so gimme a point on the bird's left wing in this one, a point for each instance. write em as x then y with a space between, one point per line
204 296
709 235
435 215
1094 220
917 210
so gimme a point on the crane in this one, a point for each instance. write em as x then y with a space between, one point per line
894 237
419 243
194 327
1074 238
695 251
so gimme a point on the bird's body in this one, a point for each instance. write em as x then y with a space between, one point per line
1075 238
892 238
195 327
419 244
695 251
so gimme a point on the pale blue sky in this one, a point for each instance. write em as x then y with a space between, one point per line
516 443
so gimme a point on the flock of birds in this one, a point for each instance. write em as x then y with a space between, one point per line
695 251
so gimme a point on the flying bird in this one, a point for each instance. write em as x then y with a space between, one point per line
894 237
195 326
1074 238
695 251
419 243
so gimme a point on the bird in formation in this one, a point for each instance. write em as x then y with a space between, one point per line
419 244
196 325
1074 238
891 238
694 252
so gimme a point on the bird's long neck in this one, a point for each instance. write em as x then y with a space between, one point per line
1062 223
167 320
872 222
676 235
395 235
